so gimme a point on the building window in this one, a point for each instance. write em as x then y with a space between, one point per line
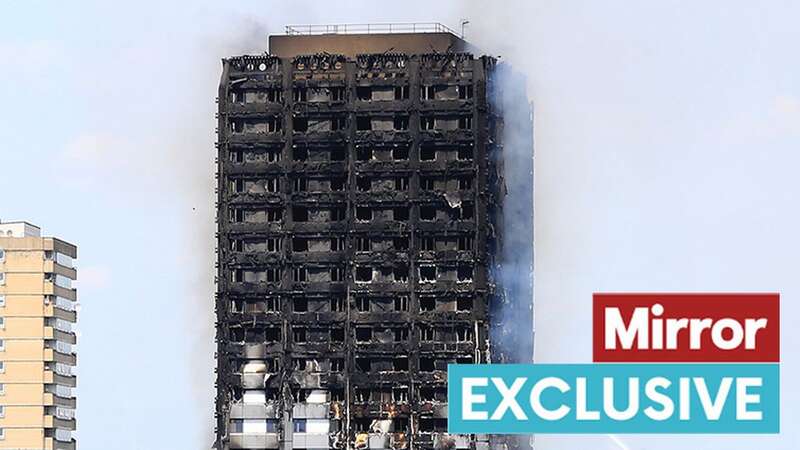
464 274
401 303
338 123
363 214
364 153
400 334
2 367
337 274
463 335
299 335
2 345
272 304
401 123
363 123
337 303
363 334
300 94
363 244
300 305
426 365
427 274
2 301
427 213
364 93
400 243
2 411
299 214
400 364
338 214
2 323
2 389
465 153
300 154
400 394
363 364
299 245
2 255
2 278
400 153
401 92
364 184
237 426
337 184
337 94
363 274
273 244
401 274
337 335
300 124
299 425
400 213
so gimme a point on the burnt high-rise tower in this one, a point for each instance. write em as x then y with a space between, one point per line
363 236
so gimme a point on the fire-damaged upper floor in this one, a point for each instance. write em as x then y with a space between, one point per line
361 195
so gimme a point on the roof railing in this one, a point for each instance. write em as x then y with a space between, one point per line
369 28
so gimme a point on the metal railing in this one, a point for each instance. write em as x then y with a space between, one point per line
369 28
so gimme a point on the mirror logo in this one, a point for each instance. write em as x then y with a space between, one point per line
663 363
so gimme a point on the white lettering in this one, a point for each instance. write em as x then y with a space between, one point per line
469 398
509 398
536 401
608 399
712 409
743 398
667 406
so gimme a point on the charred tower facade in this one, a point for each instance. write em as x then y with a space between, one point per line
360 218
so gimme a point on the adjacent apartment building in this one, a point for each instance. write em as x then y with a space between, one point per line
37 359
361 203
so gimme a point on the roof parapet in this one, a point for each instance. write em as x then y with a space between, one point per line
369 28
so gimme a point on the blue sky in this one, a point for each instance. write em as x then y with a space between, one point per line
667 137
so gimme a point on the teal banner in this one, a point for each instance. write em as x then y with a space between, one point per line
613 398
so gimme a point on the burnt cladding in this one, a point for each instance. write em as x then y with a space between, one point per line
360 214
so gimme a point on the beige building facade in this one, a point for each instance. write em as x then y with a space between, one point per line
37 339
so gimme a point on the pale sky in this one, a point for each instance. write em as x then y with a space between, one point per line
667 146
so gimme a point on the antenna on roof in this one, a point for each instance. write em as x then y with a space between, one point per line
464 23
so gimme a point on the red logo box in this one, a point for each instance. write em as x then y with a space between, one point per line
673 327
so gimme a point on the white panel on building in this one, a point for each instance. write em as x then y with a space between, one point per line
317 396
255 397
318 426
254 426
